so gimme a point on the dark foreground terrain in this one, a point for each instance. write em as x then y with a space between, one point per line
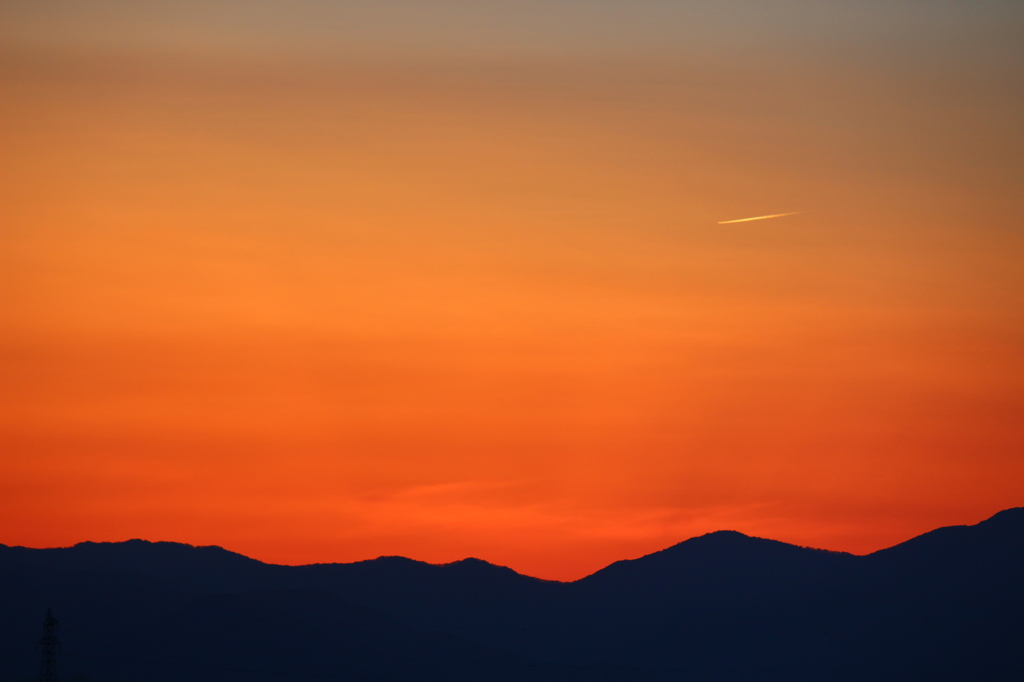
948 605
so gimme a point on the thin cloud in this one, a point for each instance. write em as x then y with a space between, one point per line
760 217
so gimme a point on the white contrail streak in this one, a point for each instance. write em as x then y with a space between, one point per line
760 217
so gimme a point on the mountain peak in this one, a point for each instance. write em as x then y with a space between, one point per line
1008 517
471 566
721 535
163 549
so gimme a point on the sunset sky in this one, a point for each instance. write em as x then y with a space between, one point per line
324 281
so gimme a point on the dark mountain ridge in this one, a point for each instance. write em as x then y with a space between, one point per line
948 604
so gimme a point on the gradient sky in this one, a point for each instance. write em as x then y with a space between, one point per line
325 281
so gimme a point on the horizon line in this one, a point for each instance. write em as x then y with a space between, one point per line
471 558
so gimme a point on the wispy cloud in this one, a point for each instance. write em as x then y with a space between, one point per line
760 217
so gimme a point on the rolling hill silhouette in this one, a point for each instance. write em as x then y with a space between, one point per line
724 606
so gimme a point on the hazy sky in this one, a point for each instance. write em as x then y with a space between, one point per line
529 29
325 281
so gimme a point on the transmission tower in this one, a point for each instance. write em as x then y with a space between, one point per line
49 645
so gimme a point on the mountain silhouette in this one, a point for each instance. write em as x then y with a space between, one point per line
947 605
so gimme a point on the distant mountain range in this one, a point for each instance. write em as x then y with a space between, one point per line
947 605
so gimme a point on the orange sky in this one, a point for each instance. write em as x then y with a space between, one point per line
448 293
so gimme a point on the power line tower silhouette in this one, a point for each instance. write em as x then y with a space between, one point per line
49 645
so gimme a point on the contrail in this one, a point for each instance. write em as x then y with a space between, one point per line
760 217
